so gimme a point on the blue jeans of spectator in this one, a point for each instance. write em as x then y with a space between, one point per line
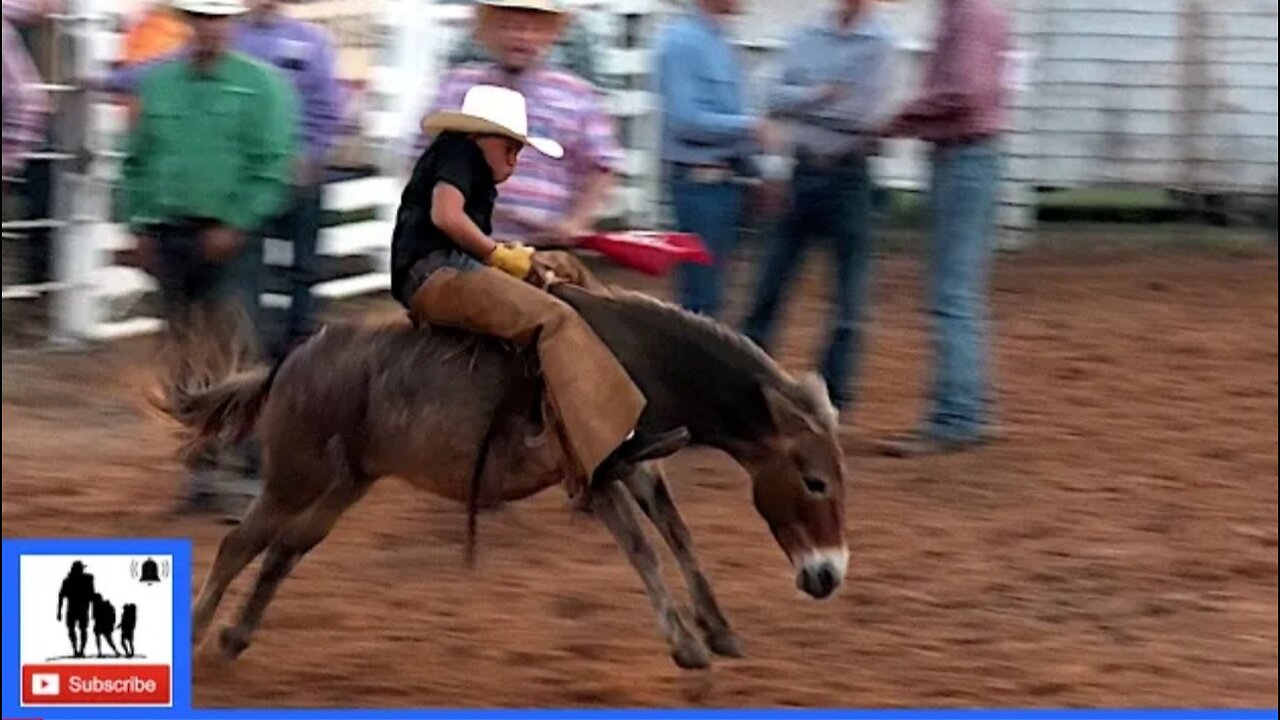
713 211
834 204
299 225
963 199
38 201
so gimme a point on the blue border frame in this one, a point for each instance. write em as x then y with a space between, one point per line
180 548
719 714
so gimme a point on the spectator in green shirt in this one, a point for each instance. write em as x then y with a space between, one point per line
207 163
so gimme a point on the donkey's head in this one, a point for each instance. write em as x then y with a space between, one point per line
798 476
731 395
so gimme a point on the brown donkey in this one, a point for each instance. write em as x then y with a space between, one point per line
354 404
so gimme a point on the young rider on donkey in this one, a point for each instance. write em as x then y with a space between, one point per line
447 271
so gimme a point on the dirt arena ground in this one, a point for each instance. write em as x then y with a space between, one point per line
1117 547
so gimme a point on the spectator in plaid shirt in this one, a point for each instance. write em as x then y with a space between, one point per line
26 125
545 202
574 51
25 104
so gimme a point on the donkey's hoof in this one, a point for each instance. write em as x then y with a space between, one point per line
232 641
691 656
725 644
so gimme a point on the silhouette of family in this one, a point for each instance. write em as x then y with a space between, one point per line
81 599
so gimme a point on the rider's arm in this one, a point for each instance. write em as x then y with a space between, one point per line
447 214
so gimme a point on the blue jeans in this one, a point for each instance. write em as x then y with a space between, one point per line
963 198
299 224
713 211
38 204
835 204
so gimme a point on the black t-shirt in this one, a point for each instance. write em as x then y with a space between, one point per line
454 159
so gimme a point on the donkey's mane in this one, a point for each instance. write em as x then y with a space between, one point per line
731 348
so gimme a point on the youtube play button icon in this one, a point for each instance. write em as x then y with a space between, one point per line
45 684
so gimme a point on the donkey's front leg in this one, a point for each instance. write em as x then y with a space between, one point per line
648 486
612 504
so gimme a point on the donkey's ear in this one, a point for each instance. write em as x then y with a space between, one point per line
788 417
815 386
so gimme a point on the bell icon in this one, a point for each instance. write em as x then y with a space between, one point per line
150 571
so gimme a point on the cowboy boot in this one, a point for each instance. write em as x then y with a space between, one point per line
636 449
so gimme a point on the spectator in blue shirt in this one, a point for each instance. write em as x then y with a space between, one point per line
708 139
832 89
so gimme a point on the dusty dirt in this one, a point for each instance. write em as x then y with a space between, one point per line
1117 547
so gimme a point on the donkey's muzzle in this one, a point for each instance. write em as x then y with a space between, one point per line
817 583
821 573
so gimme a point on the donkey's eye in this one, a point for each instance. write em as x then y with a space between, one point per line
815 485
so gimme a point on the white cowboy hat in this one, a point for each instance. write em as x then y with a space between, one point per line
546 6
490 109
487 10
218 8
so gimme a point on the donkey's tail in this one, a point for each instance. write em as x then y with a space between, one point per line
226 411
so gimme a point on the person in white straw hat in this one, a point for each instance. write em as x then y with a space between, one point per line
212 8
207 163
211 27
575 49
447 270
546 202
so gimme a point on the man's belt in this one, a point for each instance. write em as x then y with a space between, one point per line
966 139
808 158
184 225
707 174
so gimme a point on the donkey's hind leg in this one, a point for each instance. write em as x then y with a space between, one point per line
238 548
299 534
648 486
612 504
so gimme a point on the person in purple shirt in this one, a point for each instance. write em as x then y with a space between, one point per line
26 104
305 52
27 125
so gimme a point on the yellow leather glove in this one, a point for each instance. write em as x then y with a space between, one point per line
513 259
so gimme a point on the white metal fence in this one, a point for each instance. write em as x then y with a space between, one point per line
88 130
1094 103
